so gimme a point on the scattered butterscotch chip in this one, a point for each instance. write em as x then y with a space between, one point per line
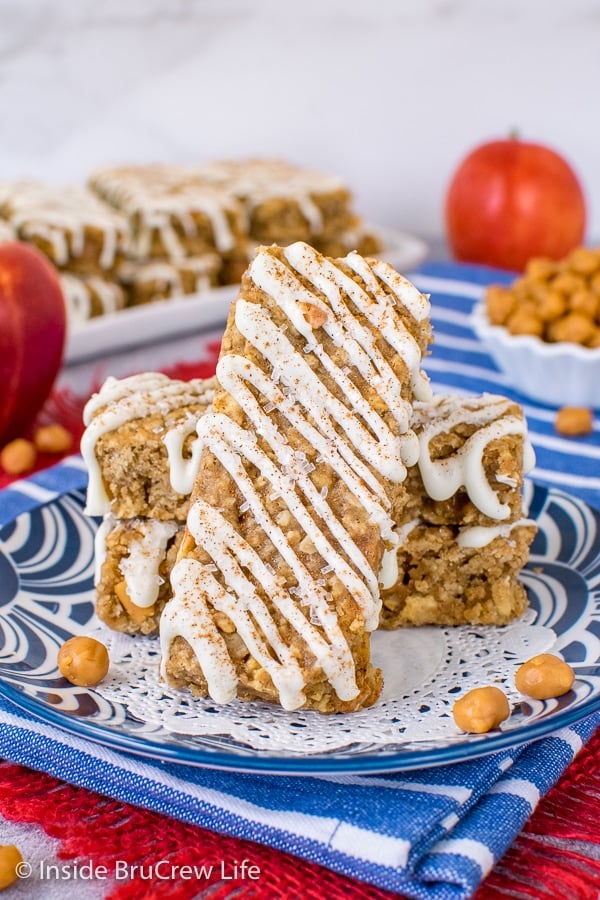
10 858
18 457
574 421
481 710
544 676
53 439
83 661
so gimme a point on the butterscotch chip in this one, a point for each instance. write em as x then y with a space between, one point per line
540 268
595 283
500 303
568 283
584 260
594 341
18 457
53 439
520 288
481 710
544 676
10 858
525 321
574 328
83 661
552 305
573 421
584 302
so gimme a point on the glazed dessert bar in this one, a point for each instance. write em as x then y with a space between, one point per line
453 575
147 282
91 296
275 590
152 476
69 224
140 446
473 453
464 535
174 214
479 544
134 558
286 203
358 238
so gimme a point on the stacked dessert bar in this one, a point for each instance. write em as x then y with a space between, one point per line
85 238
186 233
330 493
284 203
142 453
142 233
464 533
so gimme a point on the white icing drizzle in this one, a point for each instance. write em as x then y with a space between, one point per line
123 400
80 291
170 277
388 573
183 471
78 300
477 536
140 567
256 181
104 529
61 216
361 441
192 618
464 469
232 444
528 457
158 198
251 616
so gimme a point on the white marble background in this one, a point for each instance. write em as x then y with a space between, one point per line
390 94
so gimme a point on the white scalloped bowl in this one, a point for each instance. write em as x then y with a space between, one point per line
560 374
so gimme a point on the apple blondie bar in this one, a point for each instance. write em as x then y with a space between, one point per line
161 280
473 454
464 535
69 224
275 590
89 296
173 214
286 203
134 558
141 447
455 563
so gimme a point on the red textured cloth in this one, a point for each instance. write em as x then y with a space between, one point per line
556 856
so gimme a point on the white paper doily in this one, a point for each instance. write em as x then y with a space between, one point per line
425 671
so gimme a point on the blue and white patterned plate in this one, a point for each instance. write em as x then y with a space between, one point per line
47 595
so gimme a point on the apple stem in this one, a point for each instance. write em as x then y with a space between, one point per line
513 134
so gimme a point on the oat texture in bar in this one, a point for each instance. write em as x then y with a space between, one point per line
305 453
464 535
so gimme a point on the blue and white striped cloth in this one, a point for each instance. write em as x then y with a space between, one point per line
429 834
433 833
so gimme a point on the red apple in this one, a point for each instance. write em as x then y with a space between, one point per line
509 201
32 335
